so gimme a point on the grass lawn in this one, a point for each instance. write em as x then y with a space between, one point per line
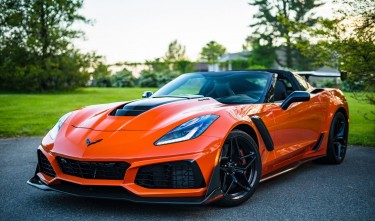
35 114
361 131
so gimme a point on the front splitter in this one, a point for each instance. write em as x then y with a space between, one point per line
118 193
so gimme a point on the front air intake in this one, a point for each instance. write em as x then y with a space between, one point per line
44 165
173 175
93 170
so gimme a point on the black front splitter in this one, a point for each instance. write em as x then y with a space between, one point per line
118 193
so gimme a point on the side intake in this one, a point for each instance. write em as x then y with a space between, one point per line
263 132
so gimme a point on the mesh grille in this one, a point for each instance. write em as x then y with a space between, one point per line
178 175
44 165
93 170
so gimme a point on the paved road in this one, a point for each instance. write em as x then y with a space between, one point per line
312 192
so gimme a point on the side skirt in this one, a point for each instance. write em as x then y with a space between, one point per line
286 169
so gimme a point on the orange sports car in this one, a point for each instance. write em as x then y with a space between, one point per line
202 138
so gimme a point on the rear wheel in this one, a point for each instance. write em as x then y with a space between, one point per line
337 140
240 168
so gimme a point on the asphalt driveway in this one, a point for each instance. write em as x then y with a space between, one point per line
312 192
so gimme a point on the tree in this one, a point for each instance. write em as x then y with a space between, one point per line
212 51
262 55
123 78
281 24
175 52
348 43
35 45
101 76
148 79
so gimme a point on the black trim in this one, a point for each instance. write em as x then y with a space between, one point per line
263 132
116 193
318 143
215 183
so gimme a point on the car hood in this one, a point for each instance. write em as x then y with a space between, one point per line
143 114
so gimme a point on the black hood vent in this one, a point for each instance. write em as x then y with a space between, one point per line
138 107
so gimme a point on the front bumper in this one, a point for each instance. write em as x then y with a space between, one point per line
52 177
119 193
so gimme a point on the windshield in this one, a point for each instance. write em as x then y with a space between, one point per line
228 87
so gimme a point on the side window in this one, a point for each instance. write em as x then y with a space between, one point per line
288 84
304 85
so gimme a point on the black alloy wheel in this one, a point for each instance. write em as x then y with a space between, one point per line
240 168
337 140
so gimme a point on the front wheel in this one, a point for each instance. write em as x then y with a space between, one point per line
337 140
240 168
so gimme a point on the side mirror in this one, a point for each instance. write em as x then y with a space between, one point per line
147 94
343 75
296 96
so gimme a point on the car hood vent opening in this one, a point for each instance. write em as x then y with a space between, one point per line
138 107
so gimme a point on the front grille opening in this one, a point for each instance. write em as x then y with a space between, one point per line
93 170
44 165
173 175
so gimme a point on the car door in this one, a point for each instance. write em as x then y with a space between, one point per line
297 128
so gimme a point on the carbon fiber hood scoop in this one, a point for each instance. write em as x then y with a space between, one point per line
138 107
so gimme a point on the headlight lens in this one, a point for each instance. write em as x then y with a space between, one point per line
53 132
188 130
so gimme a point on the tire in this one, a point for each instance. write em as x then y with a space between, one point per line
240 168
337 140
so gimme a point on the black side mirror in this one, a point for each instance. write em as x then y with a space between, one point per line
343 75
147 94
296 96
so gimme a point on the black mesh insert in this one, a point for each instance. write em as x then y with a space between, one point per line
44 165
173 175
93 170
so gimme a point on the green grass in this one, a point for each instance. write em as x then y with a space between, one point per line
361 130
35 114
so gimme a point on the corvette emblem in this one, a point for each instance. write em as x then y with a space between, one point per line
89 142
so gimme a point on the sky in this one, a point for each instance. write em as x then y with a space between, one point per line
139 30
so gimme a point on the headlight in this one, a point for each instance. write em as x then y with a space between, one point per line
188 130
53 132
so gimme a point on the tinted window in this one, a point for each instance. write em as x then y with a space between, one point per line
231 87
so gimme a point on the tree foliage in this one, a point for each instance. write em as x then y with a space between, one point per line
348 43
175 52
36 53
123 78
212 51
280 25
